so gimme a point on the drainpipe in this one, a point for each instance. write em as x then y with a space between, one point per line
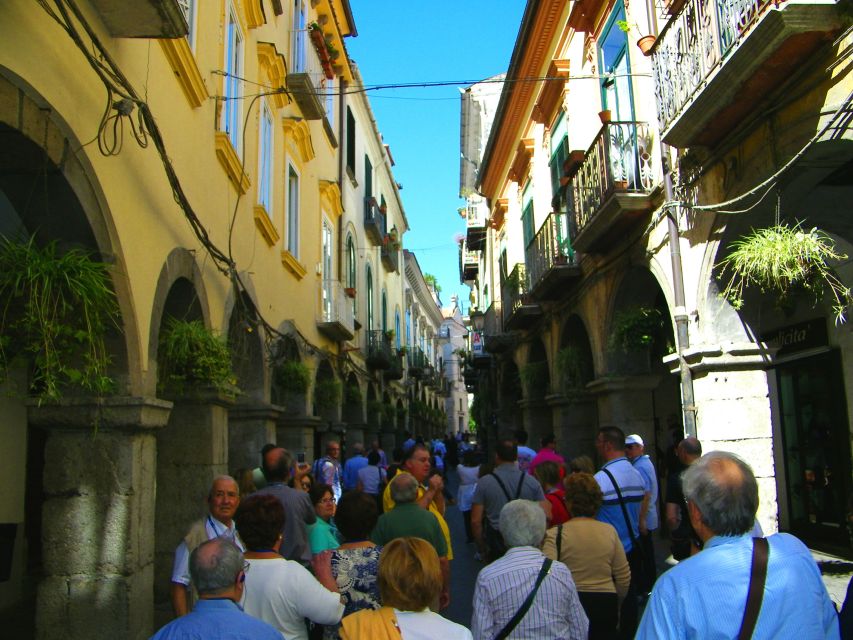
682 338
341 152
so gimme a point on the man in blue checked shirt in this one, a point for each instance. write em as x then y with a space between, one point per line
624 490
705 595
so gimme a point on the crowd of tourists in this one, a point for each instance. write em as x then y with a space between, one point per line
362 549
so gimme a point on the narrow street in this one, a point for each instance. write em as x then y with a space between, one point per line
464 568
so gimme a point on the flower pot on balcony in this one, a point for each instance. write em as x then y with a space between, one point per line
646 43
620 185
350 292
604 116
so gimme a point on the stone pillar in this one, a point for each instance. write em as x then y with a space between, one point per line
733 413
191 451
250 427
537 421
98 517
627 403
575 424
297 435
356 433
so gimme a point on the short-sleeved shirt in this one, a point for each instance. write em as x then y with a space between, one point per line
217 620
632 488
545 454
644 465
371 478
409 520
491 496
214 529
388 504
675 495
322 536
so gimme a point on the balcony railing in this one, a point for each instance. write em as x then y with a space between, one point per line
706 58
416 361
469 263
617 164
306 81
378 350
475 226
336 317
374 221
389 253
549 258
519 309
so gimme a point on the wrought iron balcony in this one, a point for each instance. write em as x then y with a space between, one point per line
469 263
336 318
716 59
395 371
476 227
378 350
390 253
610 190
416 361
374 221
551 262
520 311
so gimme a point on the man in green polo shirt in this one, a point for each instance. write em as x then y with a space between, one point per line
408 519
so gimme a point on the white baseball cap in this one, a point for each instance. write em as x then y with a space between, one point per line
634 439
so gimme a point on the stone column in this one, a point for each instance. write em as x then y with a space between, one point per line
98 517
627 403
250 427
191 451
575 423
733 413
537 421
296 434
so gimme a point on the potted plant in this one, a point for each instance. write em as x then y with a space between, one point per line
191 357
535 378
57 311
327 392
646 43
783 259
291 377
635 328
604 115
573 366
350 292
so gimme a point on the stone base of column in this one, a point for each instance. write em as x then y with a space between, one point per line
250 427
575 424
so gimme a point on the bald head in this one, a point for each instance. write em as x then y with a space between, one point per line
689 450
215 566
277 463
404 488
724 490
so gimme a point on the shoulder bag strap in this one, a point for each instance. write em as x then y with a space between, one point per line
501 485
755 594
520 483
622 504
559 539
519 615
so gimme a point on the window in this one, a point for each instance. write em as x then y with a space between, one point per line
351 271
265 147
409 327
232 109
292 238
368 178
527 225
297 53
350 142
188 8
328 240
613 61
397 328
384 312
370 322
559 151
329 93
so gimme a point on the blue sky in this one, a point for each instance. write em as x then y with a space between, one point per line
429 41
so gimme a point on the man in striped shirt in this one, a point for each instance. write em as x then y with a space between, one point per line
624 490
503 586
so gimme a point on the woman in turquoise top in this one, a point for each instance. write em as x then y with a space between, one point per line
322 535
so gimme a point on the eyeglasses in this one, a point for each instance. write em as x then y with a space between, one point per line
327 501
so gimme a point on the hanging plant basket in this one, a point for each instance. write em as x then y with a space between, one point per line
191 357
783 259
635 328
646 43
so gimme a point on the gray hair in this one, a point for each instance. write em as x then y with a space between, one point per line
404 488
522 523
222 477
691 446
214 566
724 489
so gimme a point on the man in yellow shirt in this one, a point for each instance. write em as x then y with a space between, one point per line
430 496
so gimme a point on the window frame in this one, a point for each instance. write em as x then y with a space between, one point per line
232 108
291 238
266 157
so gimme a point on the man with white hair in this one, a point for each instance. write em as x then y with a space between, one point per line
635 452
218 572
737 586
524 594
222 502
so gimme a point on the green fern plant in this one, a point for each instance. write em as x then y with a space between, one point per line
635 328
191 356
292 377
783 258
55 311
327 392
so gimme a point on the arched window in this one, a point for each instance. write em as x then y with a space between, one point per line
397 328
409 340
351 274
384 312
370 322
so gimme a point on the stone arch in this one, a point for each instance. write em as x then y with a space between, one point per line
353 402
248 357
509 415
536 384
576 414
327 393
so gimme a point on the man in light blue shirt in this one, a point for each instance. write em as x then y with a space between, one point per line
353 465
704 596
648 523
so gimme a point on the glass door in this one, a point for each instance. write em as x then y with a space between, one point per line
327 272
816 440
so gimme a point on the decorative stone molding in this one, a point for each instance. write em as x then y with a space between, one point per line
274 65
298 137
119 413
184 65
723 357
330 195
230 161
253 11
293 265
602 386
265 225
